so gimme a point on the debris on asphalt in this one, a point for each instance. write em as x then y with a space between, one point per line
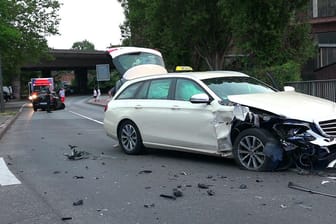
304 189
211 192
203 186
149 205
145 171
243 186
259 181
75 154
168 196
184 173
177 192
77 203
78 177
57 172
102 210
66 218
283 206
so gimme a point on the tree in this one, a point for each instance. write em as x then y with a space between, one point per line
272 32
24 26
83 45
186 32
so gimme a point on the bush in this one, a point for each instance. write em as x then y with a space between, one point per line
281 74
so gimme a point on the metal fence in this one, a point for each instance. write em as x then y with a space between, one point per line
320 88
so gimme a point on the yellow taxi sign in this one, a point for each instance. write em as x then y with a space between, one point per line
183 69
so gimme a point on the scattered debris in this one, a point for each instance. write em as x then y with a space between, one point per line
9 164
57 172
300 188
77 203
211 192
78 177
66 218
148 187
283 206
145 171
72 146
149 205
203 186
168 196
102 210
243 186
259 181
184 173
75 154
209 177
177 193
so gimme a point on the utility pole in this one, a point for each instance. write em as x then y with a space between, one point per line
2 102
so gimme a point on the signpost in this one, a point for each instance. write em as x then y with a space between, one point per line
103 72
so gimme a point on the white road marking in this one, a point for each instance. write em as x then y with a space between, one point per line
83 116
6 176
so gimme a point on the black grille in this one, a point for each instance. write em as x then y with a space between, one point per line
328 127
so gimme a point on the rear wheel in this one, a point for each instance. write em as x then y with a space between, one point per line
130 138
256 149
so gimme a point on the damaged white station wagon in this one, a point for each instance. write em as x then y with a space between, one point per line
223 113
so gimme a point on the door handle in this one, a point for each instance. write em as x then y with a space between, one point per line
175 107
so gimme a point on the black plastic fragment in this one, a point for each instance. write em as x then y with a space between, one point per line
77 203
168 196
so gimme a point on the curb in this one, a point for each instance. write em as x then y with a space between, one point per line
10 121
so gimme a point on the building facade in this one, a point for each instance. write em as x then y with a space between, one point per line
323 21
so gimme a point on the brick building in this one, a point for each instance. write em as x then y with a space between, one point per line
323 21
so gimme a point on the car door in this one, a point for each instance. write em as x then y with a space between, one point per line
191 125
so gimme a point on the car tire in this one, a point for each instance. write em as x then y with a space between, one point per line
129 138
257 149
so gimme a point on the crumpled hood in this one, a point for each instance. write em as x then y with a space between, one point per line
290 104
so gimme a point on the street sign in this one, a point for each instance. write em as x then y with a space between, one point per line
103 72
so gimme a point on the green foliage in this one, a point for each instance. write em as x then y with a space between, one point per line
289 71
23 28
271 32
83 45
191 32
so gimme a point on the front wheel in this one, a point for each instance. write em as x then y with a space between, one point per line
130 138
256 149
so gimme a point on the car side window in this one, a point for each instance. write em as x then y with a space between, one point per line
186 88
130 91
142 92
159 89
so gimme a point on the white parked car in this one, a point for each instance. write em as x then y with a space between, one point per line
223 113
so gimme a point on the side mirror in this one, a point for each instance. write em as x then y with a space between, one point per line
200 98
289 89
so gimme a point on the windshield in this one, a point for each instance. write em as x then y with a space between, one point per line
225 86
127 61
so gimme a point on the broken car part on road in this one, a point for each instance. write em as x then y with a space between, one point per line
300 188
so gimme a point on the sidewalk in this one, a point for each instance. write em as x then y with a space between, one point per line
103 100
12 111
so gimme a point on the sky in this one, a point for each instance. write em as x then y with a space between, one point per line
96 21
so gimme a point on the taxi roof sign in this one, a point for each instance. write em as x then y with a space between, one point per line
183 69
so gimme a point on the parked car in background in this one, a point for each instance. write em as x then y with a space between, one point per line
223 113
6 96
39 101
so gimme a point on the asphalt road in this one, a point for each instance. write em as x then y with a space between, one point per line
116 188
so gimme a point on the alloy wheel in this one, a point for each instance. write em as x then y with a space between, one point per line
250 152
